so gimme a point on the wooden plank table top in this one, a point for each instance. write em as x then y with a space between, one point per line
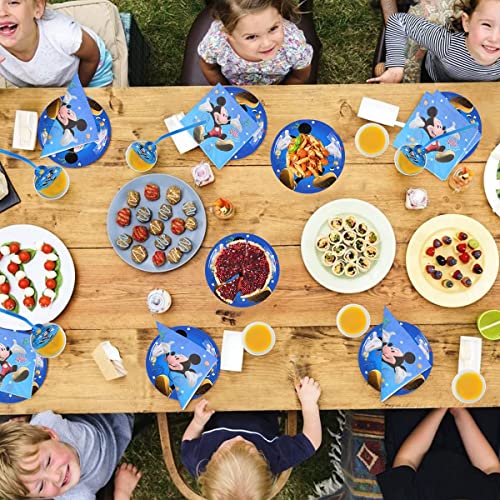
108 302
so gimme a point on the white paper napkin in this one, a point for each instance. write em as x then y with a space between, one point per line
232 351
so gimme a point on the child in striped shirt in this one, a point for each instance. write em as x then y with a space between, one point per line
471 53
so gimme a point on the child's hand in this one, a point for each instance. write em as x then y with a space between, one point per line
308 391
201 413
390 75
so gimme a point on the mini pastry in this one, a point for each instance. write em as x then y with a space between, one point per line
185 245
140 234
4 187
174 256
139 254
133 199
123 217
174 195
159 258
191 223
189 208
151 192
156 227
323 244
165 212
143 214
124 241
163 242
177 226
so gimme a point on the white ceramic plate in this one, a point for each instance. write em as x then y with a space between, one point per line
28 236
318 225
491 180
432 290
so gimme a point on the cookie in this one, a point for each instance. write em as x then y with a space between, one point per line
143 214
190 223
159 258
163 242
185 245
189 208
156 227
174 195
177 226
140 234
133 199
123 241
123 217
165 212
151 192
139 254
174 256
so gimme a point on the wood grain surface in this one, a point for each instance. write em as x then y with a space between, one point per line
109 300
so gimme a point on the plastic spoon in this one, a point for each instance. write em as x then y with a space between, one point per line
142 156
416 154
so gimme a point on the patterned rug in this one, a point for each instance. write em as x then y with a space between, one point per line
357 455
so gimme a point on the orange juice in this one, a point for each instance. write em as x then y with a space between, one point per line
48 341
405 166
51 183
258 338
353 320
372 140
469 386
141 157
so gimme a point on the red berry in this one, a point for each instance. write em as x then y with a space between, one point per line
437 243
464 257
430 251
477 269
462 236
461 247
457 275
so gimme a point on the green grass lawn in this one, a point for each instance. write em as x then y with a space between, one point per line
348 30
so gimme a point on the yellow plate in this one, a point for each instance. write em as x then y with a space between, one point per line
432 290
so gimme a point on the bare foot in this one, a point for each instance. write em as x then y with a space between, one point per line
126 478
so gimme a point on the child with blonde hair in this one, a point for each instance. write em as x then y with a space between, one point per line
255 42
70 457
45 48
469 53
235 455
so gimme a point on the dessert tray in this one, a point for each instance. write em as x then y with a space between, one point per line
452 260
156 223
348 245
37 274
242 269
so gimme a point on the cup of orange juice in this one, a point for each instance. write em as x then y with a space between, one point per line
258 338
353 320
371 140
141 156
404 165
51 183
468 386
48 340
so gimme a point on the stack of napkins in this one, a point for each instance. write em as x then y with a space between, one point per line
394 358
433 117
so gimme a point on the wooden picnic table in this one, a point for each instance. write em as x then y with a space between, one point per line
109 299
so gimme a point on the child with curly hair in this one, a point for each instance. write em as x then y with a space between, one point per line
255 42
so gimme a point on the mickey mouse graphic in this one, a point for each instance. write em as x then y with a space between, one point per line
434 128
18 375
391 355
179 365
220 118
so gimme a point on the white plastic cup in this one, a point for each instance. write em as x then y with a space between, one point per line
265 326
363 130
365 327
458 396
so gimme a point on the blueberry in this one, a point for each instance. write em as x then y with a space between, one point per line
457 275
467 282
448 283
437 275
436 243
441 260
477 269
476 254
446 240
430 269
451 261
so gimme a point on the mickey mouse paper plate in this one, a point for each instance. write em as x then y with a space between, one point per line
83 155
156 368
307 156
369 360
